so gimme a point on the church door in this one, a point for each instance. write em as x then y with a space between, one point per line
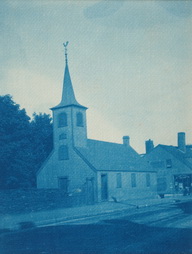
104 187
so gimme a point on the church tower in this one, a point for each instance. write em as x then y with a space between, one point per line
69 117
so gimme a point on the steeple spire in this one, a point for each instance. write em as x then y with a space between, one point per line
65 46
68 95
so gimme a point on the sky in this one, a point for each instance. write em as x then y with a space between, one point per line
130 64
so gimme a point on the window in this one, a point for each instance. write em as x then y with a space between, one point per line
62 120
63 184
79 119
118 180
148 180
62 136
133 180
63 153
169 163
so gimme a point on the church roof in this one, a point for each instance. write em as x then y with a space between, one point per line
68 95
108 156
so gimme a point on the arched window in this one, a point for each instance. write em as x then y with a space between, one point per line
62 120
79 119
62 136
63 153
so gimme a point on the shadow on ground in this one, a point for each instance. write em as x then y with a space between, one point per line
108 236
186 207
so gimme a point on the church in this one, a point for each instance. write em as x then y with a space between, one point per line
108 171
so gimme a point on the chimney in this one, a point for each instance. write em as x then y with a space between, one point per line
181 142
126 140
149 145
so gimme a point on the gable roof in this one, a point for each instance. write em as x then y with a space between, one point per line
108 156
178 154
174 151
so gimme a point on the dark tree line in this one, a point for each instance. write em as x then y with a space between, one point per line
24 144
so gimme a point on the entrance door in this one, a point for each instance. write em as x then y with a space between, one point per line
90 190
104 187
63 184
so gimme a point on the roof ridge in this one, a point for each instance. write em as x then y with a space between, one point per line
103 141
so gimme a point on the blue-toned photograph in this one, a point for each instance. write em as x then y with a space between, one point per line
96 127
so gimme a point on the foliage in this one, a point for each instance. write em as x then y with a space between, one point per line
41 138
24 144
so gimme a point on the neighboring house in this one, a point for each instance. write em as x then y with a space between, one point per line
106 170
173 165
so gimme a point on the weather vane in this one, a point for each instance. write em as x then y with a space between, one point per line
65 46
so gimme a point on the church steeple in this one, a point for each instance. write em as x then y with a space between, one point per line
68 95
69 117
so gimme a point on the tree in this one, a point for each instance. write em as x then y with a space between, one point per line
14 145
24 144
41 138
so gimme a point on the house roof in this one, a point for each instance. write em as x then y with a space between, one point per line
114 157
178 154
188 151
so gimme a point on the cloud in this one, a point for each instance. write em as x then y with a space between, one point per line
181 9
137 14
102 9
